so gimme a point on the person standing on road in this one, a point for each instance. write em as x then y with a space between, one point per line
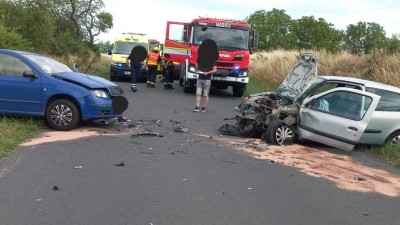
207 65
168 70
153 59
134 62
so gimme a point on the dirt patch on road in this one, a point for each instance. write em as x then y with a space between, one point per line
341 169
55 136
345 172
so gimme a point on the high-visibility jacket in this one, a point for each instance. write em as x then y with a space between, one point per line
153 59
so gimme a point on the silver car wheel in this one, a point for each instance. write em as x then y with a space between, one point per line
61 115
283 133
395 141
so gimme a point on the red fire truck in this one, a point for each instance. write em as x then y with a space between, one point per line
182 41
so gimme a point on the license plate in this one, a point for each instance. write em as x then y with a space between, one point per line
127 72
223 72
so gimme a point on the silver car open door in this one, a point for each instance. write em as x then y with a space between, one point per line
337 117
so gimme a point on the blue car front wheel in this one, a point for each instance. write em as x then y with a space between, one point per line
62 115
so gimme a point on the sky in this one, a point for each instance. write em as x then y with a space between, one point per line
151 16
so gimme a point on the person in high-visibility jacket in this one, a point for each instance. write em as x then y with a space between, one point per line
152 61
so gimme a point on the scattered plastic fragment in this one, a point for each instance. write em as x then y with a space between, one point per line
255 145
122 119
78 167
120 164
152 134
55 188
360 178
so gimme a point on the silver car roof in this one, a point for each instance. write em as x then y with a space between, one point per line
367 83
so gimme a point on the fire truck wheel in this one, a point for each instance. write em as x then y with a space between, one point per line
238 91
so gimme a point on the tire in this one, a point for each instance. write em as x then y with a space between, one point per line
189 87
238 91
394 139
70 117
279 134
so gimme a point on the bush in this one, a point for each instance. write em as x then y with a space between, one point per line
12 40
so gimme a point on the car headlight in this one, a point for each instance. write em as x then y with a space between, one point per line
192 69
100 93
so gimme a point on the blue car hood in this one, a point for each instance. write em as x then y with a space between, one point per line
85 80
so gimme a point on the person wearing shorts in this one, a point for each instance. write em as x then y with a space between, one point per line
207 65
203 87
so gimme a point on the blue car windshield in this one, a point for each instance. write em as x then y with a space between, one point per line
50 66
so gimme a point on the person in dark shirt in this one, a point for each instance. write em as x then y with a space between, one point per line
168 70
134 62
207 65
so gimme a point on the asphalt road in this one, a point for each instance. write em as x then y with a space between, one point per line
180 178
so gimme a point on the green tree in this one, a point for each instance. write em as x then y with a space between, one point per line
393 44
85 17
258 20
275 28
95 24
317 34
10 39
364 37
31 20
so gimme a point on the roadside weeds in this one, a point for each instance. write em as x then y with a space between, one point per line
14 131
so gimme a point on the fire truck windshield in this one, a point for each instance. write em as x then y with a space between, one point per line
226 39
126 47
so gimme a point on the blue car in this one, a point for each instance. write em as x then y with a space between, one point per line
35 85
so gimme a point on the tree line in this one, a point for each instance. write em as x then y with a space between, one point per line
58 27
70 27
277 30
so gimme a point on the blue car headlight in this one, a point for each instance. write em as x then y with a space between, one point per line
100 93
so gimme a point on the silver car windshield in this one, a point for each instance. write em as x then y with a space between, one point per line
50 66
310 89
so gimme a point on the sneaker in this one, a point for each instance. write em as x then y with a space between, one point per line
134 89
196 109
203 109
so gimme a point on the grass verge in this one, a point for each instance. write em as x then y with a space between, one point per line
386 152
14 131
257 85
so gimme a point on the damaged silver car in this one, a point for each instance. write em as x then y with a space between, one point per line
333 110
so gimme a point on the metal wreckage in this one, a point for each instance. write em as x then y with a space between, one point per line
273 115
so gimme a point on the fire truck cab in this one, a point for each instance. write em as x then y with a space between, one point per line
182 41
